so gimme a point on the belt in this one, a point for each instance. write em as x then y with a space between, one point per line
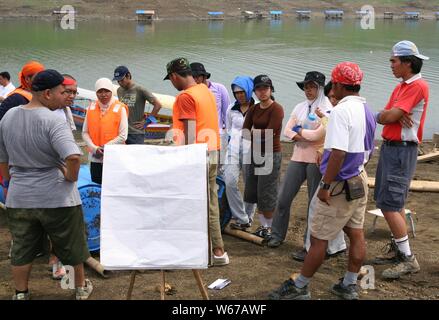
400 143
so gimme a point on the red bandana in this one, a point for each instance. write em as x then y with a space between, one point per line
347 73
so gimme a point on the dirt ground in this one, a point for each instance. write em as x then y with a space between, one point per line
255 270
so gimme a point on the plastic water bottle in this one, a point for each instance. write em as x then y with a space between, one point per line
311 122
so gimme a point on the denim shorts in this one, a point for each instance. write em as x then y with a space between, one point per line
396 167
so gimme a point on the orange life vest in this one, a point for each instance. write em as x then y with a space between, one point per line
103 128
24 93
206 116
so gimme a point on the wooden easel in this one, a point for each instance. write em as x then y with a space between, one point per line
197 277
195 272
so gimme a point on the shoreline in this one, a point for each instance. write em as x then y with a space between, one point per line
84 18
198 9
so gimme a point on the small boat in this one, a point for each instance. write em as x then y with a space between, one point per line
153 131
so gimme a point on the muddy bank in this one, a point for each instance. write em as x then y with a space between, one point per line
197 9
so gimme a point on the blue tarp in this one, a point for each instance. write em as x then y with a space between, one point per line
411 13
215 13
275 12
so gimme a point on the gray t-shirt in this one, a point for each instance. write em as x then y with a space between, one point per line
135 98
35 142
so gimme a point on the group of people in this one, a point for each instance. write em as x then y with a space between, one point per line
332 130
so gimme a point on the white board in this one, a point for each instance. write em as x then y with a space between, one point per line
154 207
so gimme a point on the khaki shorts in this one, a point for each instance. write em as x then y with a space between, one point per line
328 221
64 226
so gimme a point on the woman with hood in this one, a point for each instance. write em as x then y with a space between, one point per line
242 88
302 165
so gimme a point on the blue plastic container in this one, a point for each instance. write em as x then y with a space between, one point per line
90 193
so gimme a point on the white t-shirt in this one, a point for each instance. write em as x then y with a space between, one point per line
4 91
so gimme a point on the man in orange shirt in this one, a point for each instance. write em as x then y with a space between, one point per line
195 120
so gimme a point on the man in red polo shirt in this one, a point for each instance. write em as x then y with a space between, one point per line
403 119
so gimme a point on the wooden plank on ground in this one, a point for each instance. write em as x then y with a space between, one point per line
415 185
428 157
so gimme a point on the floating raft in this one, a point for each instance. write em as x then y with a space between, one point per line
388 15
303 14
145 15
412 15
215 15
334 14
275 14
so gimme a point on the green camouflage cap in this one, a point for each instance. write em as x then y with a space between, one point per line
177 65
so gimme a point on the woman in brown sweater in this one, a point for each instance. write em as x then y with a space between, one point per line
263 125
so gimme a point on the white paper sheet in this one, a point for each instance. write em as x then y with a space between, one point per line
154 207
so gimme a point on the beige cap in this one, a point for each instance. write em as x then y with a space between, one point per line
104 83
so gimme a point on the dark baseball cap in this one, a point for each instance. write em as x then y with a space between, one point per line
199 70
262 81
177 65
120 72
47 79
312 76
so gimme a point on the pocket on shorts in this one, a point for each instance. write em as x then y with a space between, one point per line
397 187
322 217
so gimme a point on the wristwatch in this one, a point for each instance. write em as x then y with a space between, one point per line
324 186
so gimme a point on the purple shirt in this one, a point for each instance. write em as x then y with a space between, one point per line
222 102
351 128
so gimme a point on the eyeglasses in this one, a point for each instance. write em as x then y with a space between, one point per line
70 93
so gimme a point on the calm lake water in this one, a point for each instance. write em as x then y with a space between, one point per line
285 50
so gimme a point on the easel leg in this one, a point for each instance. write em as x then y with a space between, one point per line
130 289
162 289
200 284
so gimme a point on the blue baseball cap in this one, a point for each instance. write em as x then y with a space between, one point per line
120 72
407 48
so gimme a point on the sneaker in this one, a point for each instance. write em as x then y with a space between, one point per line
58 271
221 261
406 265
240 226
21 296
347 293
288 291
263 232
274 243
82 293
389 256
299 255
